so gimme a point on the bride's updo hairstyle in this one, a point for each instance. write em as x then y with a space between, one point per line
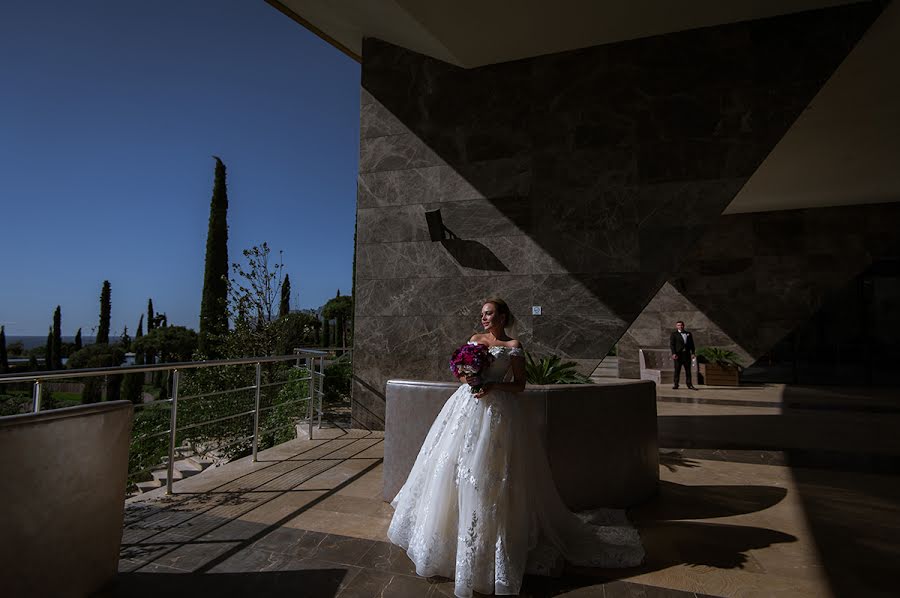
502 308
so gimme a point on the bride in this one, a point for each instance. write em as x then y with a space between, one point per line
479 505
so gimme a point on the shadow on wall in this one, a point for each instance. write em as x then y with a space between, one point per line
614 190
785 286
782 270
468 254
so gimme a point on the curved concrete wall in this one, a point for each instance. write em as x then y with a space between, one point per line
64 474
601 438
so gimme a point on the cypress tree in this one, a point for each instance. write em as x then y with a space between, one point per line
78 340
4 358
285 307
326 333
105 309
213 305
48 355
149 315
150 356
57 339
133 385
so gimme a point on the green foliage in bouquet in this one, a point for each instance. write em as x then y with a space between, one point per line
552 370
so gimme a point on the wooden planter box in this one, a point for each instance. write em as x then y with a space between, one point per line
717 375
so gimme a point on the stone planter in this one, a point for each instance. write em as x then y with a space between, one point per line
719 375
601 439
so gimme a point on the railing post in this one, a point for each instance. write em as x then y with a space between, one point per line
173 428
36 398
321 389
311 366
256 411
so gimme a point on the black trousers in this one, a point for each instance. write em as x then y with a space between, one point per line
683 361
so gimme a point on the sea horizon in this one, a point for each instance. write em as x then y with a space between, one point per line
30 342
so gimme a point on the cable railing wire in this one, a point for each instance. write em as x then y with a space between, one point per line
310 382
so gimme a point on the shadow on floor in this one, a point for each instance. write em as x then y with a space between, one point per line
288 584
678 501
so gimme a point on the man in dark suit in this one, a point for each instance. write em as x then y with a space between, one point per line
681 343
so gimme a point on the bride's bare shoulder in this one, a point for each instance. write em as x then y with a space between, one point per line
478 338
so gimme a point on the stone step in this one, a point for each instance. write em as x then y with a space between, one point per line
148 485
163 474
199 462
187 467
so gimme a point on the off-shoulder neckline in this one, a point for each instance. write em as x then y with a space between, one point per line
497 346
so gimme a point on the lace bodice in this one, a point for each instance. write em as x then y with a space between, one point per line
496 372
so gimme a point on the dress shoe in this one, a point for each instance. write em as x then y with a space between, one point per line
675 387
692 387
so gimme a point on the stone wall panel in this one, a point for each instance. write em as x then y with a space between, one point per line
588 175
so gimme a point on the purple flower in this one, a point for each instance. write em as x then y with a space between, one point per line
470 360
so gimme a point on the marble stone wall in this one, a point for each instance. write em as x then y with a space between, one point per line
573 181
753 278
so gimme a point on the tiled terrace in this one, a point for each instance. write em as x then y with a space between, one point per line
308 519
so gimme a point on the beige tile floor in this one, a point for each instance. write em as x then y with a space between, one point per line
718 527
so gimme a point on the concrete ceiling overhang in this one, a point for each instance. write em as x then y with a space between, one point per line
471 33
844 149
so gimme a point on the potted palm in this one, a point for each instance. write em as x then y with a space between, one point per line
719 367
552 370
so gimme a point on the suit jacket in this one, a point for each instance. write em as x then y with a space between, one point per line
678 345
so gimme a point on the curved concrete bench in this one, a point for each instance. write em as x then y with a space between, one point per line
64 474
601 438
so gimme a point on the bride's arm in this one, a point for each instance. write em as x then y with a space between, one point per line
518 382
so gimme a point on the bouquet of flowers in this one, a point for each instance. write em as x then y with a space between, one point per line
470 360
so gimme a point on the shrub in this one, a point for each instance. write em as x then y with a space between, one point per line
551 370
720 357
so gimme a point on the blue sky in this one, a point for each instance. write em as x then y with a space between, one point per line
110 113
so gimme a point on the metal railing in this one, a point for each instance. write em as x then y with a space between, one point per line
312 359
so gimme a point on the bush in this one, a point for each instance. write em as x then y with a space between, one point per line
551 370
279 424
338 381
720 357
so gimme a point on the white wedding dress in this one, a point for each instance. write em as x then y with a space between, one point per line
480 505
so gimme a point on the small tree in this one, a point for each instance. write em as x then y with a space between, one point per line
4 358
256 284
78 345
339 309
295 330
48 354
326 333
133 385
285 307
56 355
125 340
172 343
105 309
98 356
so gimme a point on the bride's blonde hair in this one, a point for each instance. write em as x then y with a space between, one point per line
502 308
